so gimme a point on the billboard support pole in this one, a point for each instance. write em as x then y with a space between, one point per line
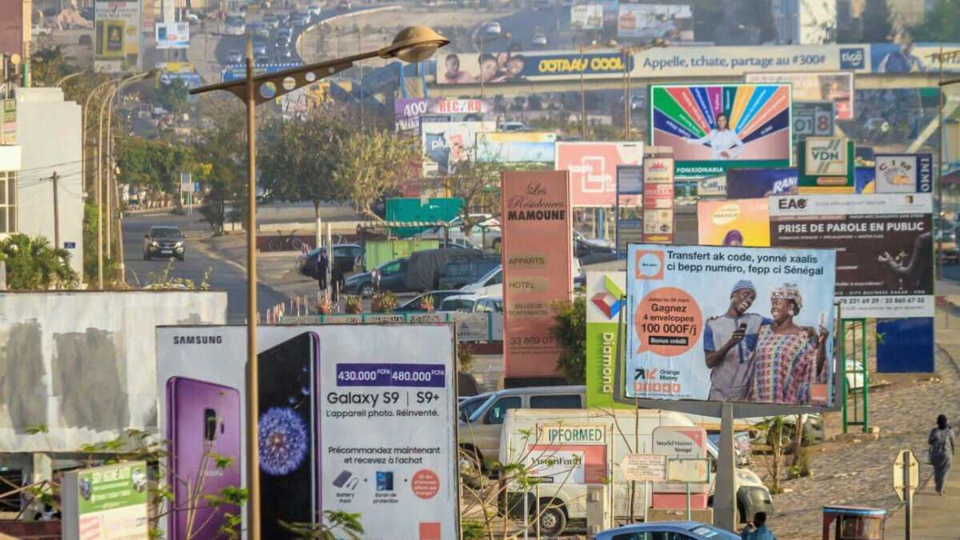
725 497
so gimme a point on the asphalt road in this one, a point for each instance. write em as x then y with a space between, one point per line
239 43
223 275
554 22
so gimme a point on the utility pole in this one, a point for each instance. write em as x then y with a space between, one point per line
56 211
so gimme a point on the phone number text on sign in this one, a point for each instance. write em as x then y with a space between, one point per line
396 375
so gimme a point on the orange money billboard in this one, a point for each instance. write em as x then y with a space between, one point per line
537 268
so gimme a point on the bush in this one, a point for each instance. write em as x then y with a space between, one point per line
570 331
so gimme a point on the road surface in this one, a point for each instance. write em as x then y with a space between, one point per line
224 276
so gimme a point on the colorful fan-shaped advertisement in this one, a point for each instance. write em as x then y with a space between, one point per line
713 128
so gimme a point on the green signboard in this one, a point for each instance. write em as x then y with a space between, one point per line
106 503
606 292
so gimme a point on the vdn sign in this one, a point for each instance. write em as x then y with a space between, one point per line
826 156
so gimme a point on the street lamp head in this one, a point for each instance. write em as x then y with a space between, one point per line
414 44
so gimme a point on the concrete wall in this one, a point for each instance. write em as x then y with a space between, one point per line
84 363
49 135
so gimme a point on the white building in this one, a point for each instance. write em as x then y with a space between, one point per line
48 136
805 22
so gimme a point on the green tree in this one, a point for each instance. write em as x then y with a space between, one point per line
570 330
298 158
33 264
876 22
49 65
940 24
221 153
370 164
171 96
153 163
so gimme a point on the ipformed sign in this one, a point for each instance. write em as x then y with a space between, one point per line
577 435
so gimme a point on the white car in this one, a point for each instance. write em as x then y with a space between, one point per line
493 28
540 40
486 233
315 9
234 57
470 303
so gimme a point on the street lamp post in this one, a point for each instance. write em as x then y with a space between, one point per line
414 44
100 194
66 78
627 53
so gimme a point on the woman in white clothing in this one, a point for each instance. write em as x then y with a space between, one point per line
724 142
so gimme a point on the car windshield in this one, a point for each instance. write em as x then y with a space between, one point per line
165 233
470 406
457 304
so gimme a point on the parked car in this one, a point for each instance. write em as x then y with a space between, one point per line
512 126
681 530
345 4
386 277
471 303
301 19
164 241
346 259
539 40
486 233
234 57
458 273
489 284
261 60
583 246
271 21
414 305
947 246
492 28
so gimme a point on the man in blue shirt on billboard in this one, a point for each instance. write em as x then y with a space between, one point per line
728 343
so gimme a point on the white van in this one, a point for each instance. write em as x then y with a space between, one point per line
562 500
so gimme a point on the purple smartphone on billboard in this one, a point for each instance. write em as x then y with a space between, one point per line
288 378
203 419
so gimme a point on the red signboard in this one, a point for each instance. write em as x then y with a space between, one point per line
593 169
537 268
11 27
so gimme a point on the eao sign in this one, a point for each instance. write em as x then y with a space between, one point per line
826 156
786 203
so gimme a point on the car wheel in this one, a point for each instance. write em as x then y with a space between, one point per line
553 520
366 290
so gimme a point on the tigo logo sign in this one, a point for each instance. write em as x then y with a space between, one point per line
610 300
853 58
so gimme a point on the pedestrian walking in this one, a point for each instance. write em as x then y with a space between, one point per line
757 529
941 451
323 267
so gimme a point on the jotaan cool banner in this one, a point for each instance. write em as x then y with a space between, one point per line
730 324
537 268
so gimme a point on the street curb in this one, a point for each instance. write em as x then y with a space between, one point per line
206 250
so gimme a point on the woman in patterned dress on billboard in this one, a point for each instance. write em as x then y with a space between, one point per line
788 359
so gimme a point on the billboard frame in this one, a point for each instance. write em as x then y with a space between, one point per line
734 163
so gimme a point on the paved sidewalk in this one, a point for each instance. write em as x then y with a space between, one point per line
935 516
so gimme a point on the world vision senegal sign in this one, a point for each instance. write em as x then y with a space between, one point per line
537 268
